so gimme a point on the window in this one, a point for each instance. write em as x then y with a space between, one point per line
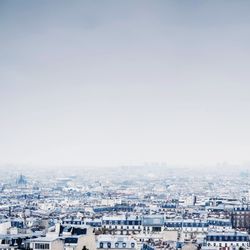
109 245
123 244
132 244
101 244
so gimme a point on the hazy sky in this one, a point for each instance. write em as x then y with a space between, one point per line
120 82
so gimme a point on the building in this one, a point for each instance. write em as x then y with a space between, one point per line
241 218
235 240
48 242
122 224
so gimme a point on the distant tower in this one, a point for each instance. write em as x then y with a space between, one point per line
21 180
194 199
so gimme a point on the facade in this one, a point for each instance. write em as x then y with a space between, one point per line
241 218
187 226
219 224
153 223
122 224
233 240
115 242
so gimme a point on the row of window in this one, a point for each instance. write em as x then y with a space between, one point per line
73 222
122 222
115 227
42 246
227 238
201 225
225 245
124 245
133 227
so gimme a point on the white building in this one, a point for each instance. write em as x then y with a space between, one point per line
48 242
233 240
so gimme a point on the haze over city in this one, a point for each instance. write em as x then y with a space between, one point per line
124 125
110 83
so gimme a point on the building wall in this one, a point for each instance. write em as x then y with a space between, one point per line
53 245
4 226
57 245
241 219
88 241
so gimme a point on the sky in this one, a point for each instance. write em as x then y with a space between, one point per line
106 83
